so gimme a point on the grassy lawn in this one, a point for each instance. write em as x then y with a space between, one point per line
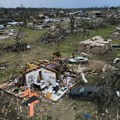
116 42
105 32
31 34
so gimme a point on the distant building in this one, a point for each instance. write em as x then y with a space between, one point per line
115 35
96 45
95 14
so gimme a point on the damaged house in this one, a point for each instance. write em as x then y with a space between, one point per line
48 81
96 45
43 78
116 35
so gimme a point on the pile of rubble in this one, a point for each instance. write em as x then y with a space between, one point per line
47 79
54 35
43 75
50 80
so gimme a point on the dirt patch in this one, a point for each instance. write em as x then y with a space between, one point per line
96 65
9 108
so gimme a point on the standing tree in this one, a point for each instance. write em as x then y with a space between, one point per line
72 24
20 35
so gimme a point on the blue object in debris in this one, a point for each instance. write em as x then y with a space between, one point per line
87 116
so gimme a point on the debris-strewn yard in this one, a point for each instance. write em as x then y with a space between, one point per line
12 64
41 51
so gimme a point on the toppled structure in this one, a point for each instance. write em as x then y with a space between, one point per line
96 45
48 80
55 35
51 79
44 80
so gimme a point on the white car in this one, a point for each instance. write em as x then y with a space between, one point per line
78 60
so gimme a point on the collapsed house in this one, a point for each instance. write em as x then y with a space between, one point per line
96 45
45 78
47 81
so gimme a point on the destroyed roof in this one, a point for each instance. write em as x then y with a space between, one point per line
96 41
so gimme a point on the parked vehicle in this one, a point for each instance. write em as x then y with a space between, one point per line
116 46
87 93
78 60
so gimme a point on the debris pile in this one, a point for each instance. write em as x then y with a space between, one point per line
45 79
110 92
48 81
55 35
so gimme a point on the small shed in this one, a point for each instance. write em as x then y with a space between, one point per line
95 45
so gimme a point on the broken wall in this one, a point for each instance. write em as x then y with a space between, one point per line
32 77
48 76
